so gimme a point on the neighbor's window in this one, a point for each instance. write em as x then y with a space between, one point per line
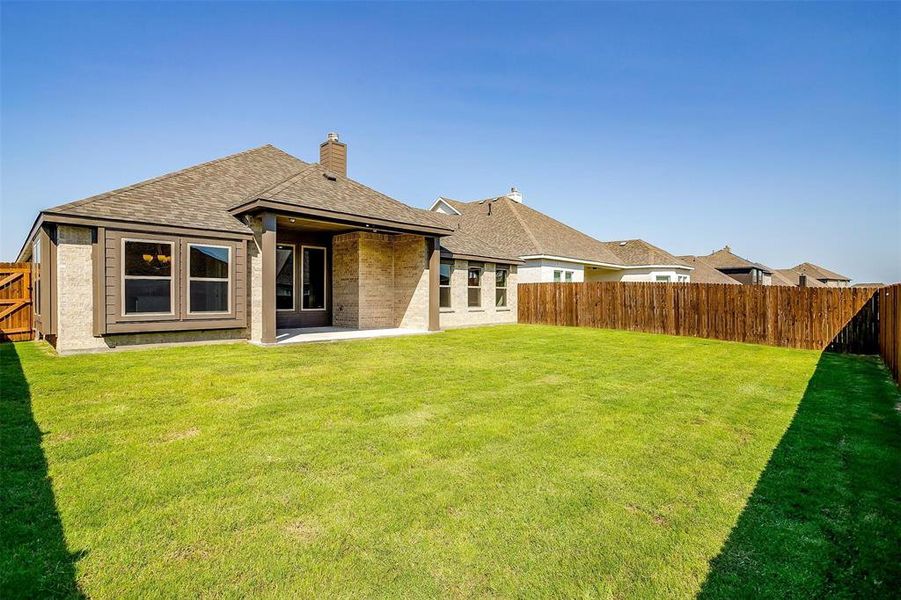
569 276
313 278
209 277
444 282
36 282
500 287
474 286
284 277
147 277
662 278
558 275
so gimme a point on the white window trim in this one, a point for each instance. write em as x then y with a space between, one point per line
504 287
324 279
293 278
474 287
218 279
170 279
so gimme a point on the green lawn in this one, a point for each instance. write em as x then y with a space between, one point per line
511 461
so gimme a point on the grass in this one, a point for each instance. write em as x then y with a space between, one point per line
507 461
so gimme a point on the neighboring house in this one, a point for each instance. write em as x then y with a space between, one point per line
792 278
740 269
704 272
824 276
247 245
869 285
550 250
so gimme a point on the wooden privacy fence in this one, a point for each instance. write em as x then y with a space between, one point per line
839 319
15 302
890 328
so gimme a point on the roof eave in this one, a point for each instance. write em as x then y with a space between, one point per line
497 259
595 263
259 204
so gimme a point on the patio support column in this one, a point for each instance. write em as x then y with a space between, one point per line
434 249
268 260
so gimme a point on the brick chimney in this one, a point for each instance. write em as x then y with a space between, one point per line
333 155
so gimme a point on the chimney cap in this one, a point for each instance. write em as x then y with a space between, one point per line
332 136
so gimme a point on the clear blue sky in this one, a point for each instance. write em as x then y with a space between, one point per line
775 128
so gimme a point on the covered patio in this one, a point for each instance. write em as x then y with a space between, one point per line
325 279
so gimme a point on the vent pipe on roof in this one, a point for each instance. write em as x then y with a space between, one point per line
515 195
333 154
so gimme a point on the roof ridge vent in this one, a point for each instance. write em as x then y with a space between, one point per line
515 195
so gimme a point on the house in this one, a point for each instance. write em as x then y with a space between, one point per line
548 249
793 278
824 276
704 272
740 269
251 246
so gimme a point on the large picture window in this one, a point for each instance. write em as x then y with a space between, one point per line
500 287
209 278
474 286
444 283
284 277
313 267
146 277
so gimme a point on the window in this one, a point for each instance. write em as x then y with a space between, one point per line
500 287
36 283
313 277
284 277
444 282
569 276
664 278
146 277
558 275
474 286
209 277
683 278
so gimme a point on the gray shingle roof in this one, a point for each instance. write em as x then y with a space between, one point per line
519 230
812 270
725 259
315 187
197 197
200 196
704 272
792 277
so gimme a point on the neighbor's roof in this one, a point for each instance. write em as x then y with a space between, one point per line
464 242
201 196
725 259
869 285
704 272
791 277
819 272
518 230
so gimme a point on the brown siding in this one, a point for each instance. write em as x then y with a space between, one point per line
117 322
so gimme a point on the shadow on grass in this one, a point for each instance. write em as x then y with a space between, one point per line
34 559
825 517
